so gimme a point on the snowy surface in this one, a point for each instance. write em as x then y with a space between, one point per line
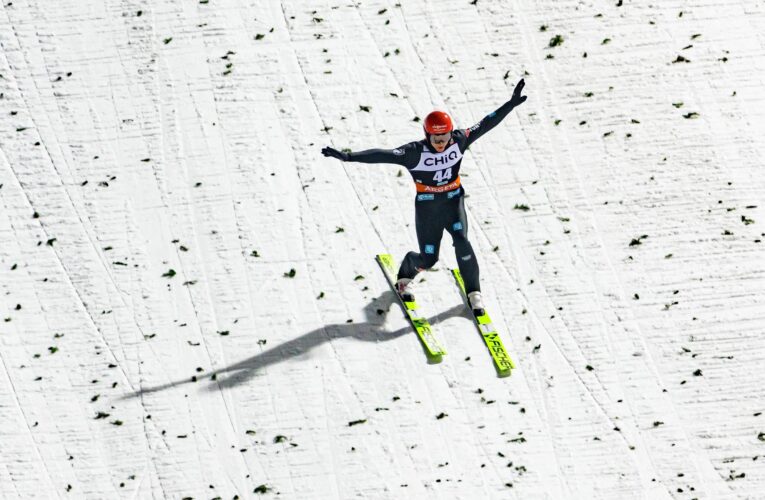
160 174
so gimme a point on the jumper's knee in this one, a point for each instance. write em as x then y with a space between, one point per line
461 244
428 261
428 257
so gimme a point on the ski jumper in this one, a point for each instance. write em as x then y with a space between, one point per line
440 202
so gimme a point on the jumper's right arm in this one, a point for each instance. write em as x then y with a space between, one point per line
395 156
377 156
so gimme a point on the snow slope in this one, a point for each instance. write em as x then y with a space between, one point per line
190 303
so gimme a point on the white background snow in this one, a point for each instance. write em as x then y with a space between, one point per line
141 139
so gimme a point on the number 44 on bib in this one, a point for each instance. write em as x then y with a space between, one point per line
443 175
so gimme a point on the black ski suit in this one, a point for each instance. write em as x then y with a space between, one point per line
440 202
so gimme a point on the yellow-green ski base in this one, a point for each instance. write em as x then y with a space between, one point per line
421 325
502 361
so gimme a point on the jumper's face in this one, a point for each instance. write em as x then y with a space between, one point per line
440 141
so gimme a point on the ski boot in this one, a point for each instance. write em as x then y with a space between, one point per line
404 289
476 303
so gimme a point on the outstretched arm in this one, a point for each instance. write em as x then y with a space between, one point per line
492 119
395 156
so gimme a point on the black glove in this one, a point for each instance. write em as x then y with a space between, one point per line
517 98
334 153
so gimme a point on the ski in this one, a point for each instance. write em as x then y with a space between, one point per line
502 360
420 324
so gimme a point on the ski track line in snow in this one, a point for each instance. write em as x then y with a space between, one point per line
126 378
573 162
227 197
306 88
61 264
701 474
252 301
603 322
21 412
66 273
226 162
63 267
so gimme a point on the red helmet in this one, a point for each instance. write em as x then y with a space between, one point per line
438 122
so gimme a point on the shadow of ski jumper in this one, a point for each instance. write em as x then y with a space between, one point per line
370 331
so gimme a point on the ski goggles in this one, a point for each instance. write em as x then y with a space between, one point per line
440 138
